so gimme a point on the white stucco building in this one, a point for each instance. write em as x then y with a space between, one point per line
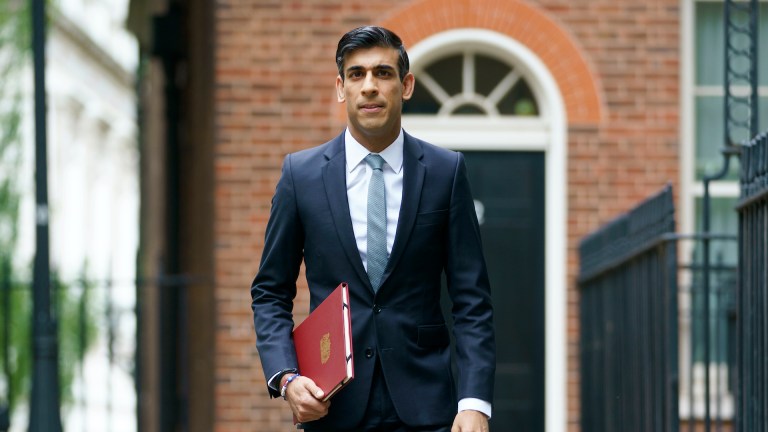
93 166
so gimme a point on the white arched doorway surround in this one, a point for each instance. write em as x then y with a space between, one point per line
545 133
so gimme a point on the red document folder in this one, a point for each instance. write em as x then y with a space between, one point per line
324 343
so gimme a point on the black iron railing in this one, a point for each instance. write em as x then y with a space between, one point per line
707 330
629 315
753 288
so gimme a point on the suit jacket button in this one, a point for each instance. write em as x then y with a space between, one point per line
376 308
368 352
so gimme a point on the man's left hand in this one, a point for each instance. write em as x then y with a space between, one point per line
470 421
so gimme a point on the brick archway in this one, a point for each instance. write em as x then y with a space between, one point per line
520 21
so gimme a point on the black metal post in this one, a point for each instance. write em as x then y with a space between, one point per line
44 405
5 294
705 282
168 46
5 418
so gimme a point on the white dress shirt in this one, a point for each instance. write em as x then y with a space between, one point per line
358 177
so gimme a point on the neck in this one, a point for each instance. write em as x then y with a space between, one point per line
372 142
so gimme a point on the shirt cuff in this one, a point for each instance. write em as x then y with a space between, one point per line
476 405
274 380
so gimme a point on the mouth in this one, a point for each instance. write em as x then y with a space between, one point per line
371 108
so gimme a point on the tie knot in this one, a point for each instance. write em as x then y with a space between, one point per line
375 161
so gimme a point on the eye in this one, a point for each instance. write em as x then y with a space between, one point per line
384 73
355 74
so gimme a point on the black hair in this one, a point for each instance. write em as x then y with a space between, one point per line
369 37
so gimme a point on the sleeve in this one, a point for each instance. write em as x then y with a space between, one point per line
470 292
274 286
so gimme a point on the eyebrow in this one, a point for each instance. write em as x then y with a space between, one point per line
381 66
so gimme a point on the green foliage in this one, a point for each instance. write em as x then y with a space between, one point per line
77 328
16 304
76 320
16 25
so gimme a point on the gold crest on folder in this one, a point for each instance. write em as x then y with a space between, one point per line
325 348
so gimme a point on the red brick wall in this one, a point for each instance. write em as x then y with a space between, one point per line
274 94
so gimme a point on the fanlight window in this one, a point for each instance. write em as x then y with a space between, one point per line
471 84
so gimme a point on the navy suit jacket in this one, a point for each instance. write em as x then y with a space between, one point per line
402 323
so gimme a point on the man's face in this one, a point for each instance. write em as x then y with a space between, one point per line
374 94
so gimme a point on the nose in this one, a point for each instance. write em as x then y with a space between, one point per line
369 87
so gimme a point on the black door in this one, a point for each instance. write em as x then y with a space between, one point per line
508 188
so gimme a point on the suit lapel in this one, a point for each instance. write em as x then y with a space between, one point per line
413 180
334 177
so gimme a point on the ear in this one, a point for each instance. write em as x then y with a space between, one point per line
340 89
409 82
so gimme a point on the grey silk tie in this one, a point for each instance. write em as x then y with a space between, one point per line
377 221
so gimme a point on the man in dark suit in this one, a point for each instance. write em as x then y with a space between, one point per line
389 214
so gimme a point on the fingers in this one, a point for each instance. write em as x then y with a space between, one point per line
305 400
314 389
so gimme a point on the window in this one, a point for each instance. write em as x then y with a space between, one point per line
704 137
471 83
479 90
708 90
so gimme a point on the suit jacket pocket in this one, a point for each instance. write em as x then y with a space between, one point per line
431 218
433 336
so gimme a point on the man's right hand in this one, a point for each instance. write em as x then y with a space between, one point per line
305 399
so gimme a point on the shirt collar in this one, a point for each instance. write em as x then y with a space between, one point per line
355 152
